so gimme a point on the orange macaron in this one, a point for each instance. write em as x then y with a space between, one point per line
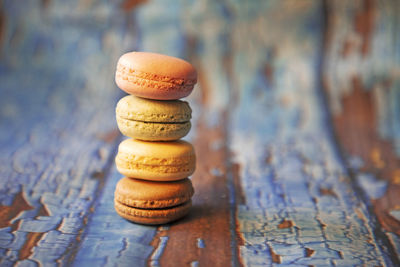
149 202
155 76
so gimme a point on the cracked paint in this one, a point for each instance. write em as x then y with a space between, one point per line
300 208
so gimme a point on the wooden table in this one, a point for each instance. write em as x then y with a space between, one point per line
296 128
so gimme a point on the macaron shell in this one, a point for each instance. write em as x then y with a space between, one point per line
147 110
159 67
164 150
152 216
157 161
153 195
153 131
155 76
151 89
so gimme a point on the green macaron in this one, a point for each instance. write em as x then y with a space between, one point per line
153 120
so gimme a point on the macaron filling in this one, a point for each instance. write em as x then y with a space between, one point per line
145 130
152 204
152 208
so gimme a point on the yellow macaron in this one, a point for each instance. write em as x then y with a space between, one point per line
153 120
157 161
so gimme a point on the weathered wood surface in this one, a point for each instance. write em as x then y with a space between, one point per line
362 65
296 129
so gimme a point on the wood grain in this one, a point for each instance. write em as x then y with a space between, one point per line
207 230
57 101
298 195
363 111
210 230
272 186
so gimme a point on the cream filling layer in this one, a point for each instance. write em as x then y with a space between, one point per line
137 129
152 204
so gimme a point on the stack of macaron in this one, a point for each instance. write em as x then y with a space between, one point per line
156 164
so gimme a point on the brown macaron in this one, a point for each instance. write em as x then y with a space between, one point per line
149 202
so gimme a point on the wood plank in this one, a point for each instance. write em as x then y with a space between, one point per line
361 74
57 129
271 187
111 240
300 205
207 231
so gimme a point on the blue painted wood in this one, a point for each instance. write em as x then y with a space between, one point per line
300 207
361 81
111 240
57 128
357 49
296 191
260 125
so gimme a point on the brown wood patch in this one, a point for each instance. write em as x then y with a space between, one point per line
7 213
132 4
31 240
364 24
356 130
209 220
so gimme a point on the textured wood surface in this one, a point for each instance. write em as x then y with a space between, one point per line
362 82
296 129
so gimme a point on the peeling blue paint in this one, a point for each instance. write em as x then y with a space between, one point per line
290 131
373 187
200 243
110 239
277 117
155 257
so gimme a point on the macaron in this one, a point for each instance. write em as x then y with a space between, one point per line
155 76
156 161
149 202
153 120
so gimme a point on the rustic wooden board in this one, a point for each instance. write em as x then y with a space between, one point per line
361 76
272 188
57 133
300 205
